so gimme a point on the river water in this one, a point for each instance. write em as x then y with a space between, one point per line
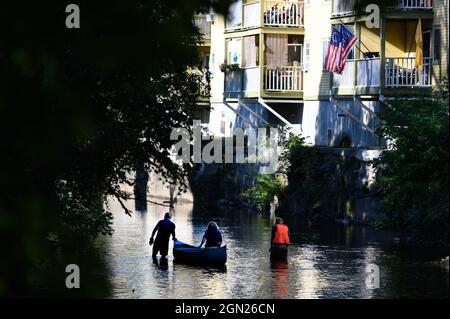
327 262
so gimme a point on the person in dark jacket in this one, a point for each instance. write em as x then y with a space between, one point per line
165 228
212 236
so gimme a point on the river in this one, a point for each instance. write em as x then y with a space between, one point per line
327 262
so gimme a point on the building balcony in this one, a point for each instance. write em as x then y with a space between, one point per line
203 23
283 79
242 82
415 4
266 13
273 81
352 7
363 76
402 73
283 13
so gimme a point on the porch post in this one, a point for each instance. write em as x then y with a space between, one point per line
262 48
355 57
382 53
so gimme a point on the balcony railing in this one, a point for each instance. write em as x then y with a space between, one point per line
399 73
415 4
347 78
242 80
283 79
348 7
367 74
251 14
402 72
343 7
203 25
283 13
274 13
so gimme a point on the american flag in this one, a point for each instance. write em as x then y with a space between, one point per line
342 41
333 60
348 41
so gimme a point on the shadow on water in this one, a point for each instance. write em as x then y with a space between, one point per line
327 261
140 191
51 275
195 266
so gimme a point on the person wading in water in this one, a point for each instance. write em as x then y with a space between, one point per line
212 236
165 228
280 240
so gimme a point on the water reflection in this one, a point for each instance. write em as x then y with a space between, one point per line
328 262
280 273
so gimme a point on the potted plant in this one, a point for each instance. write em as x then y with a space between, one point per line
229 67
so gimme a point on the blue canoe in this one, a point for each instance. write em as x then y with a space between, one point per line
193 255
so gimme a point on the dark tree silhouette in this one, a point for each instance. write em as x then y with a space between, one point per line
79 108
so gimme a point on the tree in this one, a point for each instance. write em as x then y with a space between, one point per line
413 173
81 108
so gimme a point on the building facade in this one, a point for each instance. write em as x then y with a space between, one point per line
266 63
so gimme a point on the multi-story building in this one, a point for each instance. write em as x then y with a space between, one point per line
203 23
267 66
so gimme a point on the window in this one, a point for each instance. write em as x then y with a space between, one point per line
251 51
307 55
234 48
325 44
436 45
294 51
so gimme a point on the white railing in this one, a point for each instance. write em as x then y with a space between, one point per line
251 14
233 81
203 25
245 79
343 7
283 13
415 4
402 72
368 72
283 78
250 79
347 78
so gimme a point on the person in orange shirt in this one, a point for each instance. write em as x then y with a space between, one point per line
280 240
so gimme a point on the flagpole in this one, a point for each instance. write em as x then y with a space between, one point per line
413 38
359 40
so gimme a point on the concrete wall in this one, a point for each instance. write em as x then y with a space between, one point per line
371 39
217 57
317 29
320 116
223 119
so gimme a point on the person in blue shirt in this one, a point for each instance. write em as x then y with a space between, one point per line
212 236
165 228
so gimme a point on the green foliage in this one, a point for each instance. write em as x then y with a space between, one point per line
264 191
302 164
81 108
413 173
